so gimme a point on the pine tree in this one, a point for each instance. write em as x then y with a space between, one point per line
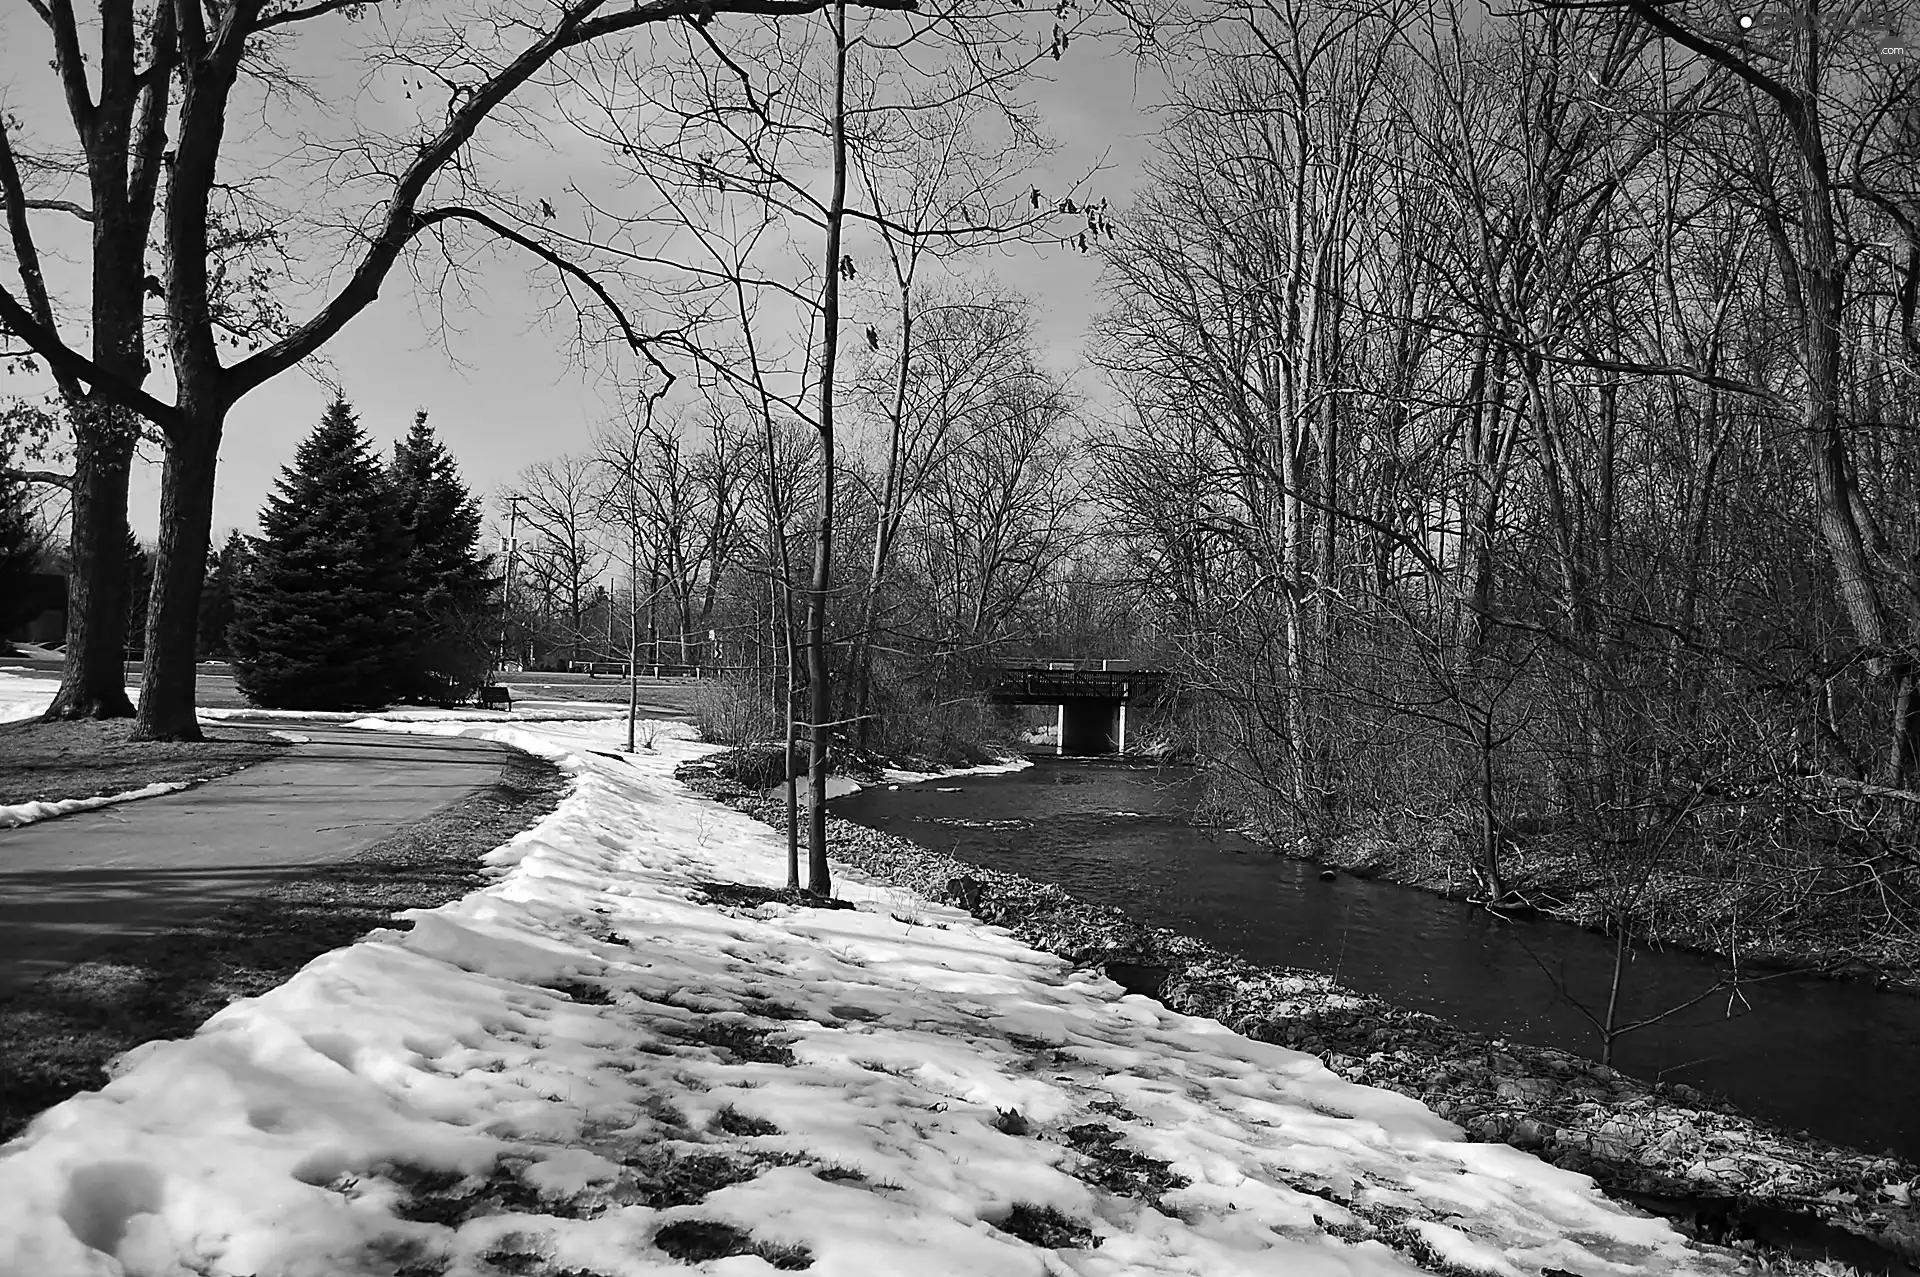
446 573
20 543
139 594
224 570
321 617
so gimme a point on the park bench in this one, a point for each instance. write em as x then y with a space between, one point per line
492 696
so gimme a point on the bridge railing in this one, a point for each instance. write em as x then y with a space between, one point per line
1034 685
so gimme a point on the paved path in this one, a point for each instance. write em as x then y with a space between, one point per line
70 886
213 688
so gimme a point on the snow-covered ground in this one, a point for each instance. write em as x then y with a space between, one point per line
588 1065
23 696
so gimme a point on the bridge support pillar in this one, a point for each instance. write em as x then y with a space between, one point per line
1093 727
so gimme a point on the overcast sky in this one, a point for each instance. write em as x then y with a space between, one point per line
500 390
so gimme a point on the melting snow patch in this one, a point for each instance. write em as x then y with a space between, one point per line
609 1061
22 696
12 814
898 777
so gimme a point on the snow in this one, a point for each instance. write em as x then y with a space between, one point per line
895 776
15 814
23 696
325 1127
837 787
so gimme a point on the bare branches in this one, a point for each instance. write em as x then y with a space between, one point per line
579 24
639 344
306 13
73 207
50 478
26 253
72 366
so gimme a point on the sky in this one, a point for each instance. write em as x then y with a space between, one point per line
499 388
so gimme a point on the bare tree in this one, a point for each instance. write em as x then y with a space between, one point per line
560 502
422 184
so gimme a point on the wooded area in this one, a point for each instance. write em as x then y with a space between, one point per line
1521 436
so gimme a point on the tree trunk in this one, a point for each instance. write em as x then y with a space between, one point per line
94 681
186 532
820 707
653 614
885 523
1489 823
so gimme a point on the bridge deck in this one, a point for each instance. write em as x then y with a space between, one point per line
1037 686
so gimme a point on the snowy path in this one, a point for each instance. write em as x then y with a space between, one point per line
588 1067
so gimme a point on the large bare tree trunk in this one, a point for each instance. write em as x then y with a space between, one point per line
179 573
93 683
122 134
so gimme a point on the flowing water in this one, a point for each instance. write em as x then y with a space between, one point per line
1839 1060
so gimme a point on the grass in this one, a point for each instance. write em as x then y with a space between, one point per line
1111 1165
57 1035
47 762
698 1241
1046 1227
734 1122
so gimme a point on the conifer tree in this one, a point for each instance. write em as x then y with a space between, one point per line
321 617
446 573
224 569
19 548
139 592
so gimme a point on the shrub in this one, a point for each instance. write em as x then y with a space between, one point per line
727 712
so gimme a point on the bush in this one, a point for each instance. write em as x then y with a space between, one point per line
952 731
727 712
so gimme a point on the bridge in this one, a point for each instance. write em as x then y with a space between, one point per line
1092 696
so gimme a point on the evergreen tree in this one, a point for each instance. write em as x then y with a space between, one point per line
446 573
139 594
19 549
224 569
321 617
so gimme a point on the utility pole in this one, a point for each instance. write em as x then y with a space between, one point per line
506 593
633 633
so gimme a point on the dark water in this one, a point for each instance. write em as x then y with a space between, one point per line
1839 1060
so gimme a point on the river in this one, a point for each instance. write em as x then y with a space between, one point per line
1841 1061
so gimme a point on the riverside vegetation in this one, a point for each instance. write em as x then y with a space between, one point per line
1723 1177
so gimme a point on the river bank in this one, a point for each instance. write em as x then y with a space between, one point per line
1722 1175
1726 910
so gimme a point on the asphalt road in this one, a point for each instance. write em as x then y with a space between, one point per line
69 887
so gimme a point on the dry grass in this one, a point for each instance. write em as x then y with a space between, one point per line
57 1036
47 762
